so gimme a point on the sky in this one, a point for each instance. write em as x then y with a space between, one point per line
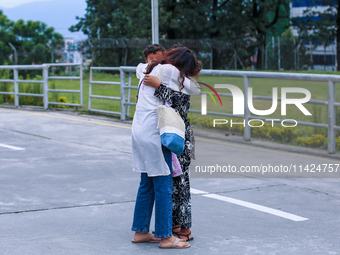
60 14
14 3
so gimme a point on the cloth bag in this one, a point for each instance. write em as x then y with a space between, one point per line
171 126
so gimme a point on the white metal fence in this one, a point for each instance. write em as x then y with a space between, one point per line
16 82
80 78
126 86
92 82
45 78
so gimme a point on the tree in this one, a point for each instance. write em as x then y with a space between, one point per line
239 22
6 36
264 15
321 26
29 38
197 19
117 19
114 19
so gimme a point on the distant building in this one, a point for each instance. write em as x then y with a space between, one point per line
319 54
70 52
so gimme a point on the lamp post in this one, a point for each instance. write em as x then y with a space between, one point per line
155 26
15 53
52 56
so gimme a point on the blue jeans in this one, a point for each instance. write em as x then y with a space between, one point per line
156 189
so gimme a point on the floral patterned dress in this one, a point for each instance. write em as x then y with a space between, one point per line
181 197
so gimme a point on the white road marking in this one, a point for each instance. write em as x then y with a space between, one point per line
261 208
197 192
11 147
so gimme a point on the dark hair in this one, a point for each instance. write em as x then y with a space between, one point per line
176 45
152 48
181 57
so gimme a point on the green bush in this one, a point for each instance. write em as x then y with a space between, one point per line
337 143
237 127
62 99
275 134
261 132
317 141
5 87
288 134
301 141
285 134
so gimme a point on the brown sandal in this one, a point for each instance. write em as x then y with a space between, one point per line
174 245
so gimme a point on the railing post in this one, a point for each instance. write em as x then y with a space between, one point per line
90 89
247 130
122 95
45 86
16 87
81 85
331 117
129 95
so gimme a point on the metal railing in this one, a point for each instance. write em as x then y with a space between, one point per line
331 103
16 82
125 90
246 75
91 82
125 93
80 78
44 82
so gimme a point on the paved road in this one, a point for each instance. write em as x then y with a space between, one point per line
67 188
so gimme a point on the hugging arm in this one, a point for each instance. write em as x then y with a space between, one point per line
178 100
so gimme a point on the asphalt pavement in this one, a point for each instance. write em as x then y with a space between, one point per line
67 187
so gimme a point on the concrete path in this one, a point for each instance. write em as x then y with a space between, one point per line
67 187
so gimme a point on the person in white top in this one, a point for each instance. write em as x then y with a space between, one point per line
149 157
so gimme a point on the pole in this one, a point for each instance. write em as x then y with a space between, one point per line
235 60
324 56
16 87
335 58
122 95
331 117
311 52
81 84
298 57
294 55
90 89
52 56
266 54
247 129
279 54
262 62
211 58
126 56
155 27
45 87
15 53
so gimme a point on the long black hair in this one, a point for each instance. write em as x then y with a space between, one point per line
181 57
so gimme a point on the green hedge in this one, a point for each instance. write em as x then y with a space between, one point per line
276 134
